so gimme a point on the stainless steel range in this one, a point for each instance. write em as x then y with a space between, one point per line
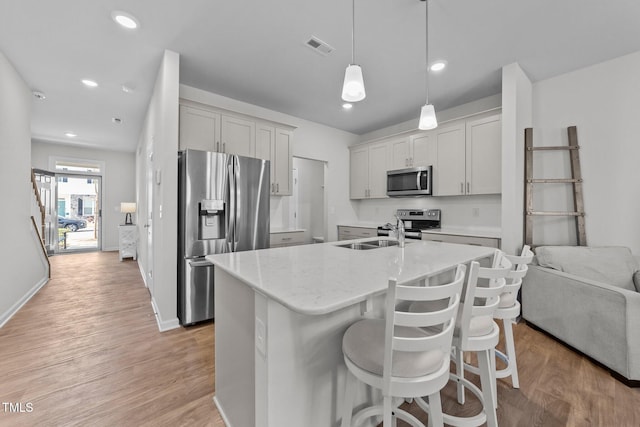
415 220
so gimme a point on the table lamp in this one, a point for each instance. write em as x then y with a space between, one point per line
128 208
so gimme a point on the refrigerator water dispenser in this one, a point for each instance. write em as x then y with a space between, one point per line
211 224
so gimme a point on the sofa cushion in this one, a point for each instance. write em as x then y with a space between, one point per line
614 265
636 280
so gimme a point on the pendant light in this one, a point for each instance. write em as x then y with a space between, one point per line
427 113
353 87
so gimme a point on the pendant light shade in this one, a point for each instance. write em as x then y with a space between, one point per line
428 119
353 87
427 113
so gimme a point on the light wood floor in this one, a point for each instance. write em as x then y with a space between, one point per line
86 351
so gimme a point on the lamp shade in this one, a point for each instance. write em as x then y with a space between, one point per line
427 118
353 87
127 207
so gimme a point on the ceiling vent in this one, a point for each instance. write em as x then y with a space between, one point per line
319 46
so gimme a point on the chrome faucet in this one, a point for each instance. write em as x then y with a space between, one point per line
398 229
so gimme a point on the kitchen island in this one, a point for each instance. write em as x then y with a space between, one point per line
280 315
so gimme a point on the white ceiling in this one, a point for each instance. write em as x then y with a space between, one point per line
254 51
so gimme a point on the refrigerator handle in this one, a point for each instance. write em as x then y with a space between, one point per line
230 208
236 173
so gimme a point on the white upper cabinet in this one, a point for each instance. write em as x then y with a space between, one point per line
469 158
368 171
199 129
449 171
424 150
400 153
282 162
238 136
275 144
465 154
484 155
222 131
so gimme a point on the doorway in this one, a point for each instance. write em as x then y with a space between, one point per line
79 212
308 207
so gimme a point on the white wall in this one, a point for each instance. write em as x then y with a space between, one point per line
23 269
118 181
457 211
310 140
160 137
602 101
516 116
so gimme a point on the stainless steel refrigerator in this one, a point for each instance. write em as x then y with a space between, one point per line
223 206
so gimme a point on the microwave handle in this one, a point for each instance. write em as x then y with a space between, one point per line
418 180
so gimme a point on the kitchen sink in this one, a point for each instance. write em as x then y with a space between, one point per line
371 244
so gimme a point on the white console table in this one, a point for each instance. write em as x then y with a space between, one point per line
128 241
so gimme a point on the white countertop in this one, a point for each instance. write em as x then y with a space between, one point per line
322 278
495 233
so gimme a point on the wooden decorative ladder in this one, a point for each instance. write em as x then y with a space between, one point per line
575 180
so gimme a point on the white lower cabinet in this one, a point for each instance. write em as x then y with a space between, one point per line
350 232
491 242
286 238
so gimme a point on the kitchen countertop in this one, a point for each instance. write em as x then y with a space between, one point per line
322 278
495 233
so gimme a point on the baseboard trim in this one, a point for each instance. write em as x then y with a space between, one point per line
227 423
164 325
6 316
144 275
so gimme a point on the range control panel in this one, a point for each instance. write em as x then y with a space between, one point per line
419 214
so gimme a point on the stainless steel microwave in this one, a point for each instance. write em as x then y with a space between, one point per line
409 182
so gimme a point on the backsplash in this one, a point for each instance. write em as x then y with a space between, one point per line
462 211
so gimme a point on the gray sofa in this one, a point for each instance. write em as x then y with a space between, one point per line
588 297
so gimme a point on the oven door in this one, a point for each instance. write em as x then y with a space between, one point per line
409 182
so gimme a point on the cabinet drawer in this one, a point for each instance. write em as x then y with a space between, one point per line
348 233
288 238
464 240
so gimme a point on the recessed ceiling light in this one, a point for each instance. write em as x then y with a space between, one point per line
438 65
127 89
89 83
39 95
116 120
125 19
347 106
70 135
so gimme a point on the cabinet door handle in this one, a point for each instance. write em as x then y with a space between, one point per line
277 187
224 147
468 191
406 162
218 146
410 161
286 238
273 189
461 188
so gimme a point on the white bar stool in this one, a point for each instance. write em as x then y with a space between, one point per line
405 355
477 332
509 310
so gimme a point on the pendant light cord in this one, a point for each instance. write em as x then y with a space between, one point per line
426 80
353 31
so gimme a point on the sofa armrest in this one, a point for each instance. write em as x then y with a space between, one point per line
595 318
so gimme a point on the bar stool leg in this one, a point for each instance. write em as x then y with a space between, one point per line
460 374
511 351
349 394
435 410
486 381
